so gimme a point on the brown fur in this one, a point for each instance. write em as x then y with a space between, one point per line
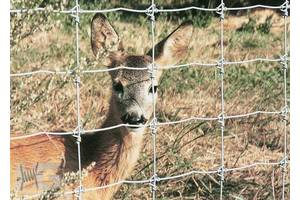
115 151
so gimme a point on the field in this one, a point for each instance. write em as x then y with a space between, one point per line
47 102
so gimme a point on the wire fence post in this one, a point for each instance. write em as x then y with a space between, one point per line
284 9
78 131
153 125
220 11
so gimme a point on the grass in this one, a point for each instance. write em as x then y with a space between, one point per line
46 102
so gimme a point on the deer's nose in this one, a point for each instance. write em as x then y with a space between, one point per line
133 119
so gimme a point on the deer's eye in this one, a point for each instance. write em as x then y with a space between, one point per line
118 87
151 89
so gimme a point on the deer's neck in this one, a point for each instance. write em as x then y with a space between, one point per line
114 151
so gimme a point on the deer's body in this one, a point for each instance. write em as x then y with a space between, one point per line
114 151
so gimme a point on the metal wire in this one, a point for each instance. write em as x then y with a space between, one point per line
103 69
153 125
190 119
78 191
82 11
151 11
178 176
220 11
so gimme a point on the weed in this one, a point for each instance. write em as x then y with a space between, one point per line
265 27
248 27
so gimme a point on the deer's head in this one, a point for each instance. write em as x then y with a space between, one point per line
132 94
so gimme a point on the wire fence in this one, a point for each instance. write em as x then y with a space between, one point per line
220 65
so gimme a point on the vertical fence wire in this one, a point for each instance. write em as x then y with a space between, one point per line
221 116
78 191
153 125
78 135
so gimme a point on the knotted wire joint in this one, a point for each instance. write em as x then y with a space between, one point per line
284 112
220 10
153 180
152 70
284 8
153 125
75 72
77 133
151 11
283 162
77 80
283 62
221 172
78 191
71 72
220 66
75 13
221 119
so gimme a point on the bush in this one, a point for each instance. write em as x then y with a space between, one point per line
25 24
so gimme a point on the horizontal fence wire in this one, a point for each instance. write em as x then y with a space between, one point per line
190 119
151 11
172 177
103 69
82 11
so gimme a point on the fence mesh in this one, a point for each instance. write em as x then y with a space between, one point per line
220 65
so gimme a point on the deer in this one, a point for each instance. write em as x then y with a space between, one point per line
114 152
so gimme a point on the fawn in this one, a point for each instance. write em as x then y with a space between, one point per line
114 151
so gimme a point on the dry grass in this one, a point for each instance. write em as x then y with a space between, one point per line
45 102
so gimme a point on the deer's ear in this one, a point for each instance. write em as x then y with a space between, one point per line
104 38
174 47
